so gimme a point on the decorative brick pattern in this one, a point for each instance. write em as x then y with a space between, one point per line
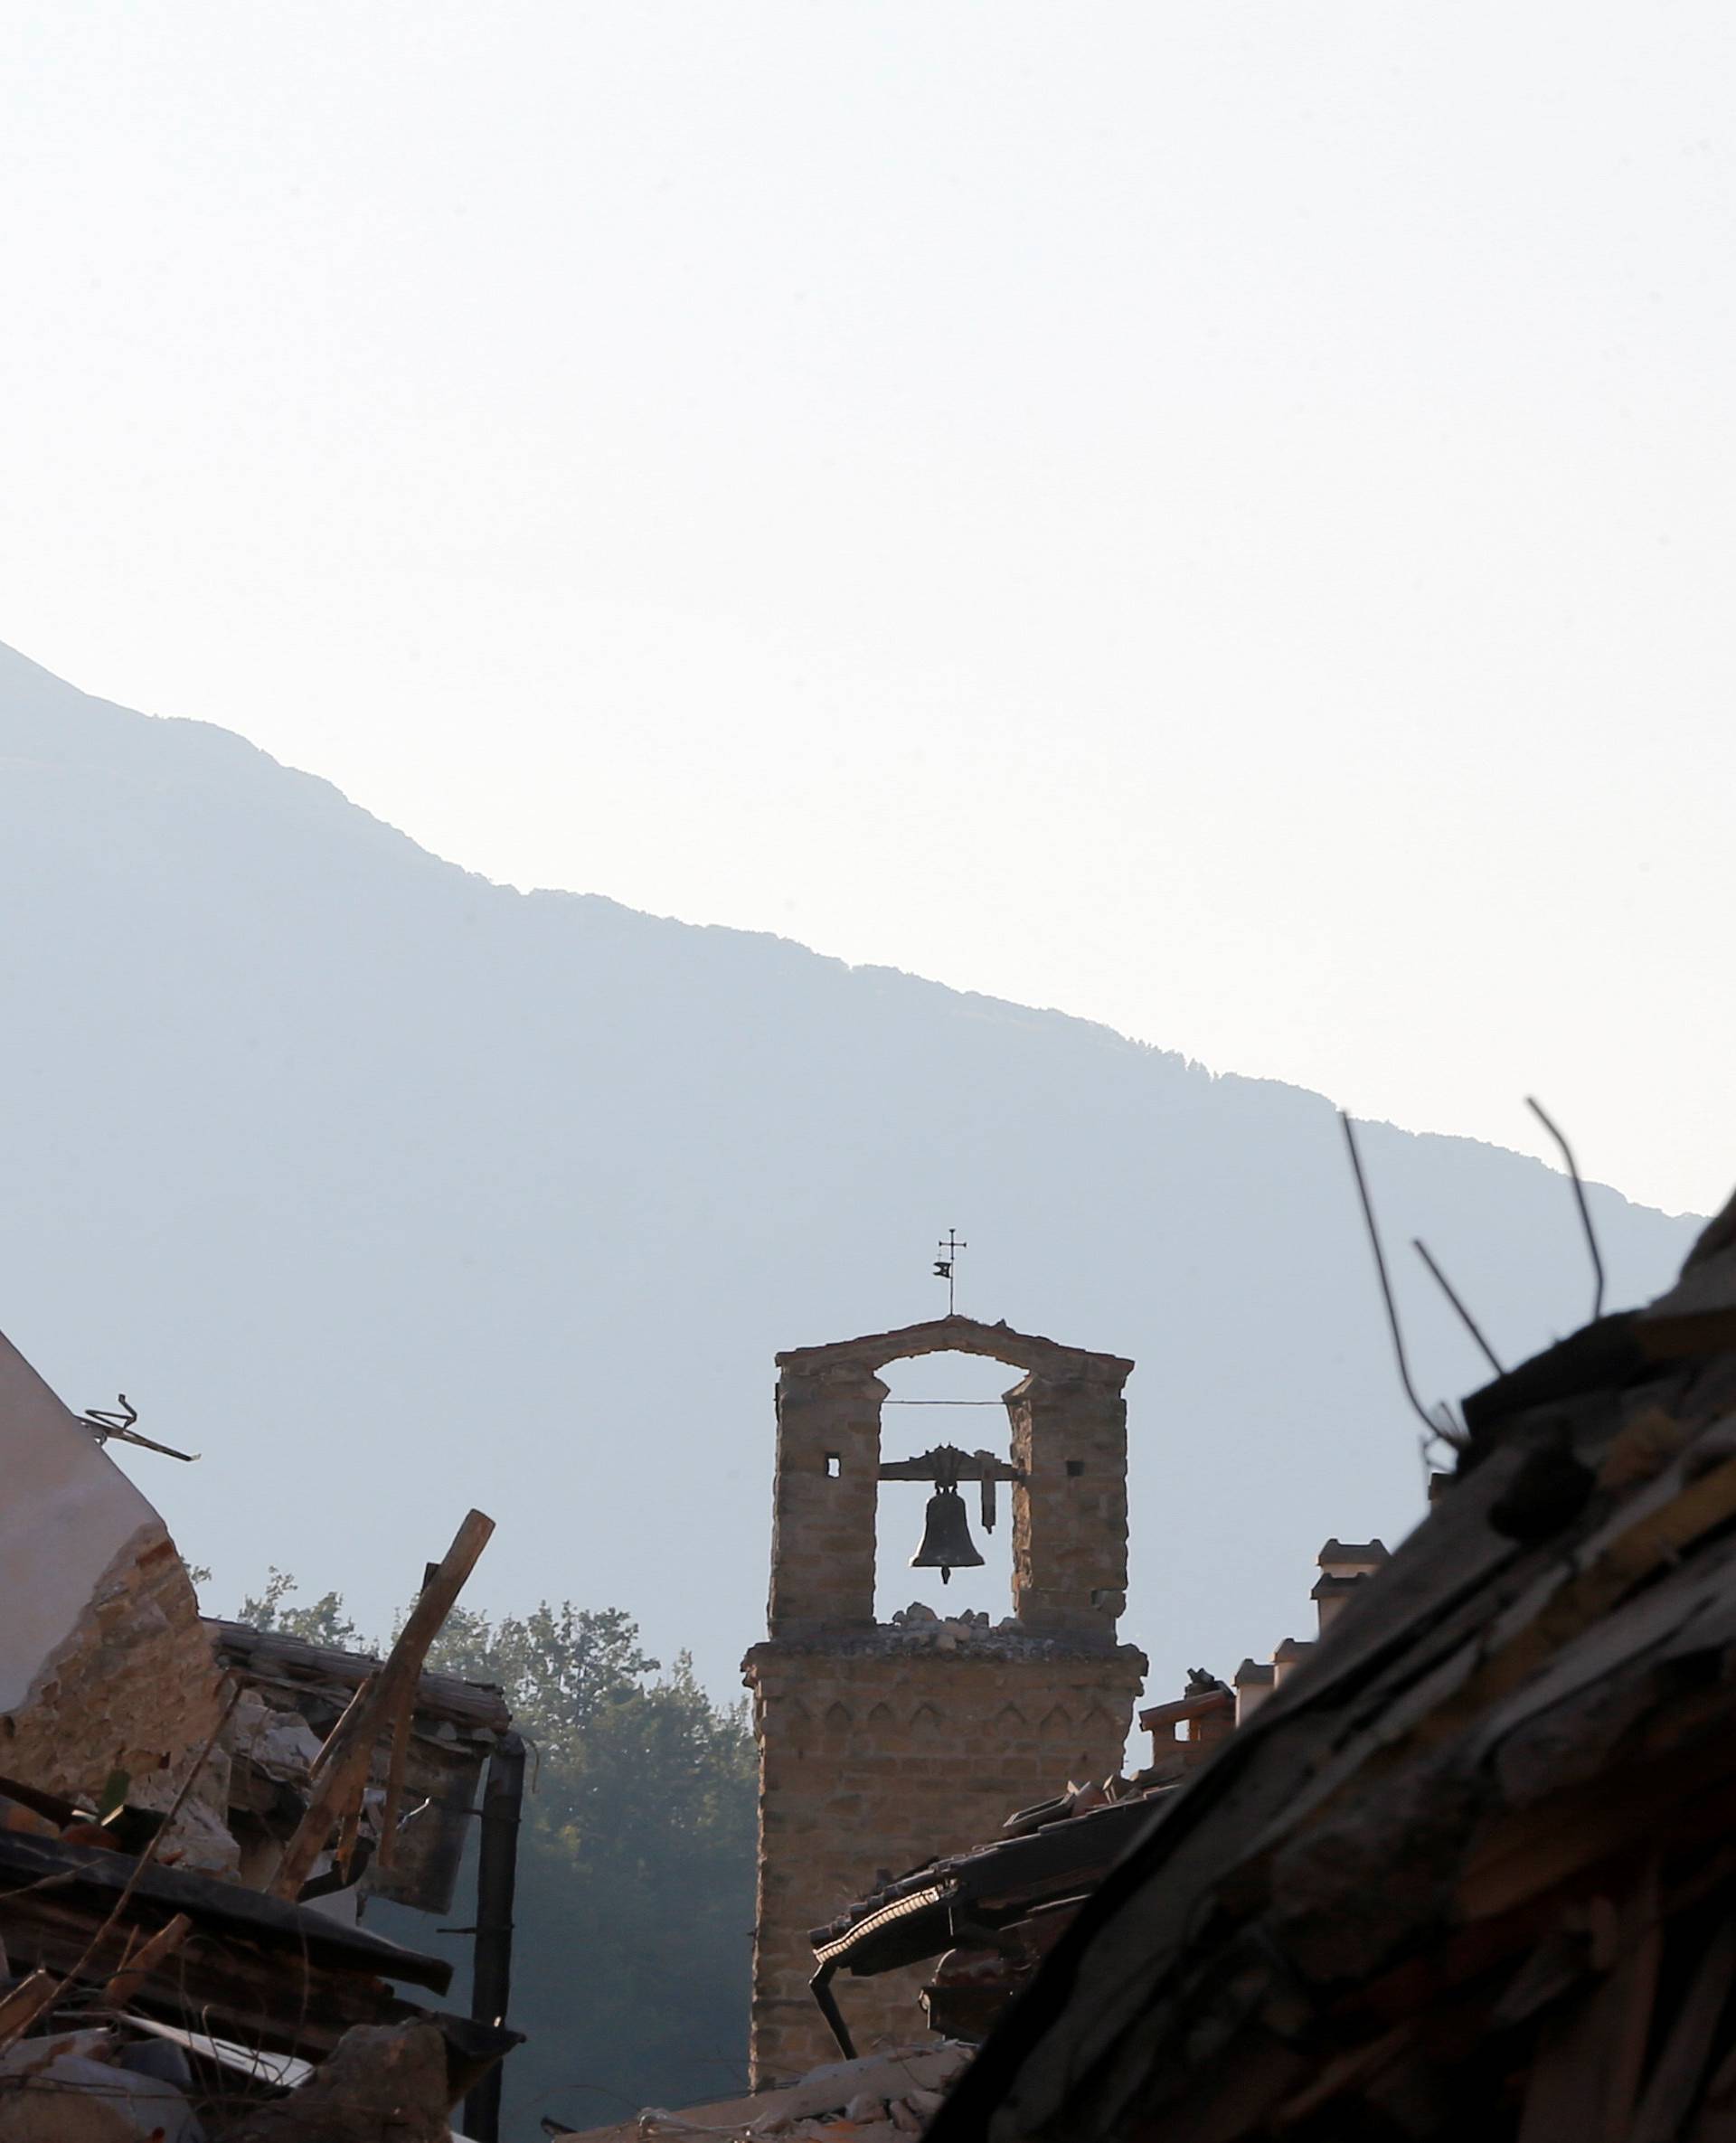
881 1759
881 1747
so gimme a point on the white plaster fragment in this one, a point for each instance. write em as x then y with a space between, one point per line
67 1513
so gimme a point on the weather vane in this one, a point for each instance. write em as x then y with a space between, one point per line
949 1247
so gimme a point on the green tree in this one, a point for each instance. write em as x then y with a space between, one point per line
635 1908
635 1914
323 1623
559 1668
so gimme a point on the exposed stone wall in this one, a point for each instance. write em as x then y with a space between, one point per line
882 1756
1069 1513
104 1663
824 1502
134 1686
879 1749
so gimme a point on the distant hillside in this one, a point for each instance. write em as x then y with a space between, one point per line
392 1191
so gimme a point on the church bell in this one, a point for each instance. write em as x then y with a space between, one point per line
947 1544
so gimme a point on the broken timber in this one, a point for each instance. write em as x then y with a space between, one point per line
341 1774
1471 1869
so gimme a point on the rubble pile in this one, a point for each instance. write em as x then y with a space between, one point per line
378 2082
1467 1870
104 1665
920 1629
989 1916
189 1815
293 1695
992 1915
107 2084
886 2097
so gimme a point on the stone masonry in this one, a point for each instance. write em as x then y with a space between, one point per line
104 1663
882 1747
136 1687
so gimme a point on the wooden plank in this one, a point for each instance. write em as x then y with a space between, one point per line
1633 1992
1638 1549
344 1732
145 1960
87 1879
1232 2099
1586 2069
1666 1619
388 1852
1562 2094
37 1991
1716 2122
224 1986
1598 1357
1346 2072
1414 1635
290 1664
1681 2066
1475 1626
1698 1315
347 1758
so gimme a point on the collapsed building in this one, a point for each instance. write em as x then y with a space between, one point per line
104 1663
191 1813
1467 1868
1458 1863
918 1968
982 1921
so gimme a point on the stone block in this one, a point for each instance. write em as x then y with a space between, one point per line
880 1749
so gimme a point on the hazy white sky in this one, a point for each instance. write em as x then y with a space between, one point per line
1219 517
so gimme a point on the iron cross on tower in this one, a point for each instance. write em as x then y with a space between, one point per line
949 1247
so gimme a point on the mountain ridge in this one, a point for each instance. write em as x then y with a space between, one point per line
540 1183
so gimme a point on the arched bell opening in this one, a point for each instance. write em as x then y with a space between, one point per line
846 1462
934 1403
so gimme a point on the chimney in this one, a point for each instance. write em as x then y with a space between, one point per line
1343 1565
1253 1685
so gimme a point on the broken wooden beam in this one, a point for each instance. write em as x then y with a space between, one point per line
347 1759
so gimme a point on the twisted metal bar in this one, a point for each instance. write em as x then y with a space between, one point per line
1537 1109
1466 1319
1422 1411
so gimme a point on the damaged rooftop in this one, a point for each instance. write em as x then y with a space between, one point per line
1457 1858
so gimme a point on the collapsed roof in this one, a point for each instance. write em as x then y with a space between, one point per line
1468 1869
188 1811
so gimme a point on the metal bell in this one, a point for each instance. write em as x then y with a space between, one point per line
947 1544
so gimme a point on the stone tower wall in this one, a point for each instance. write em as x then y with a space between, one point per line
1069 1513
885 1756
883 1748
824 1501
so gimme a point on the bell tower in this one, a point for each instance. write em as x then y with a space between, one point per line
883 1745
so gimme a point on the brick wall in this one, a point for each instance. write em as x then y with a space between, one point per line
135 1686
881 1747
884 1758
